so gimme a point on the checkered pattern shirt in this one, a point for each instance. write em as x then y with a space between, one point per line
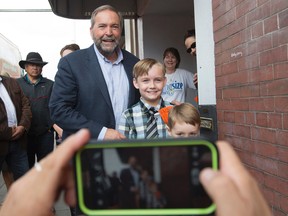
133 122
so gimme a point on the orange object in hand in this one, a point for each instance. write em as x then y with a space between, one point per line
164 113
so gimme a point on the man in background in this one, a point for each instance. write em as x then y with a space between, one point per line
38 89
15 120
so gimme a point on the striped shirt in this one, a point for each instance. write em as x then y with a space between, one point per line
133 122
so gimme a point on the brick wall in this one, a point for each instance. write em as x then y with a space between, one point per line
251 57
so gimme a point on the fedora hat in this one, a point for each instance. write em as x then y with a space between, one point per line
34 58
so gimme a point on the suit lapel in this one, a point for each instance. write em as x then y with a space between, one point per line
94 66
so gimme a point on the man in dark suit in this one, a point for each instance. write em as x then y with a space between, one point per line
130 178
15 121
94 86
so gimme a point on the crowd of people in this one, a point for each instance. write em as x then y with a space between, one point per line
113 95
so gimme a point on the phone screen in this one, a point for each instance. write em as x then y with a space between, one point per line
144 178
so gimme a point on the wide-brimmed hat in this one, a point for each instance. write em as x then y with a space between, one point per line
34 58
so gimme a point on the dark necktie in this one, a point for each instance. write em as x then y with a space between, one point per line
151 131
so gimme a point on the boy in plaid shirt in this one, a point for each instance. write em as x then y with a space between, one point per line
149 78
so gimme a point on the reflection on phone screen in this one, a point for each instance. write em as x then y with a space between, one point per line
145 178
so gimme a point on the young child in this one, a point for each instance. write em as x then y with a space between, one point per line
142 120
183 121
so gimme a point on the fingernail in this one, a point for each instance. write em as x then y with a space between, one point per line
208 174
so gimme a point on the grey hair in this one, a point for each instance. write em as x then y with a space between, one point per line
103 8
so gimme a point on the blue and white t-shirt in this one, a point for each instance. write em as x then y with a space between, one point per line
177 83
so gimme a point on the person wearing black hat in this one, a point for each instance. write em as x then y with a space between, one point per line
38 89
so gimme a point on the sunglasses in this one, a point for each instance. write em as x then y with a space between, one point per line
193 46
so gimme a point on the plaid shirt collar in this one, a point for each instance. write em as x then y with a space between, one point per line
145 106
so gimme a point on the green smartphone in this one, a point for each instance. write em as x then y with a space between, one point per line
144 177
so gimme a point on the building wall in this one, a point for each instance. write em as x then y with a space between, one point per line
251 59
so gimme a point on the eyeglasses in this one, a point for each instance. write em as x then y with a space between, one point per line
193 46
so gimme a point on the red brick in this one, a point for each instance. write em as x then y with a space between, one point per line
264 43
251 47
239 104
262 104
266 149
283 19
283 170
273 56
215 4
219 93
276 87
237 39
230 67
278 5
250 91
222 21
250 118
233 104
267 165
258 175
220 115
275 121
280 37
270 24
281 69
241 143
218 48
259 14
257 30
282 156
242 131
247 158
270 196
264 134
261 2
222 58
281 104
233 79
225 128
276 183
245 7
237 25
262 119
229 116
264 73
282 137
231 93
283 203
285 121
249 62
240 117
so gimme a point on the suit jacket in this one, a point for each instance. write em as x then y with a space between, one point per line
23 113
128 198
80 97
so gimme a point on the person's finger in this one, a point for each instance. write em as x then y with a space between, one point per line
68 147
70 195
222 191
231 165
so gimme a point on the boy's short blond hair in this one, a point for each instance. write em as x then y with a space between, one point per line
142 67
184 112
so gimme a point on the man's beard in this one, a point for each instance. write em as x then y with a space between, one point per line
104 49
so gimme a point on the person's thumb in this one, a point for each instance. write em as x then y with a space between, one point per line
222 191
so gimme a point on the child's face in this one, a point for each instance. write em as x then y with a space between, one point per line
150 86
182 129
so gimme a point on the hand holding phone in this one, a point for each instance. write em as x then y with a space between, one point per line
144 177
